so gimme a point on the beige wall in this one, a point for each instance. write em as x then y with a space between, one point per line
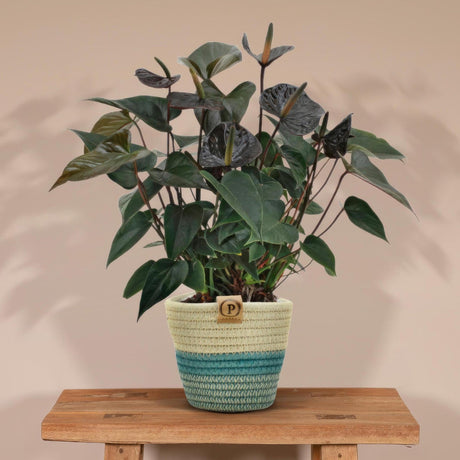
391 318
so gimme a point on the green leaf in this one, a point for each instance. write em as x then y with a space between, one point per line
219 263
230 244
249 267
272 158
128 235
256 251
284 176
257 202
313 208
180 171
131 203
107 157
125 175
378 147
319 251
111 123
296 161
151 110
361 214
201 247
163 278
195 277
91 140
226 215
212 58
137 281
185 141
154 244
361 167
181 226
238 100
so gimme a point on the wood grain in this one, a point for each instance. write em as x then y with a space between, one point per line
333 452
299 416
123 452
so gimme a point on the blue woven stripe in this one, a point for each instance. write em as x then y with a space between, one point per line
254 363
230 393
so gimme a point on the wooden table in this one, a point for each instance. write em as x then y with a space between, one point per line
333 420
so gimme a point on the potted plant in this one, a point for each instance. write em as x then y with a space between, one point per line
236 212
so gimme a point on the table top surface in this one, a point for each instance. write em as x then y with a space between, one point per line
299 416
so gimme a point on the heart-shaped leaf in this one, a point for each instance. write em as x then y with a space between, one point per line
361 167
128 235
375 146
180 171
137 281
212 58
246 147
185 141
151 110
319 251
228 238
155 81
302 118
163 278
361 214
181 226
196 278
335 141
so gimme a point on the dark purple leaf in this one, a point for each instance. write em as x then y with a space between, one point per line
193 101
304 115
155 81
246 147
335 141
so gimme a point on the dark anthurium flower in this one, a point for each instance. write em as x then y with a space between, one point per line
180 100
335 141
269 54
155 81
298 114
229 144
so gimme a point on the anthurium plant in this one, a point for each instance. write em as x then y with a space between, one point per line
236 212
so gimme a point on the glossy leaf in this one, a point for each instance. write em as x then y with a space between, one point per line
151 110
377 147
256 251
155 81
361 167
246 147
335 141
195 278
131 203
125 175
112 122
128 235
319 251
180 100
361 214
180 171
212 58
137 281
237 101
302 118
181 226
107 157
163 278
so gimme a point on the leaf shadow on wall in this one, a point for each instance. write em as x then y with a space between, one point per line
48 254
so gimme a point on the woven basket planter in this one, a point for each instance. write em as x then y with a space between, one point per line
229 367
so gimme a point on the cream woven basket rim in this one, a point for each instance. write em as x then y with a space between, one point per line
178 300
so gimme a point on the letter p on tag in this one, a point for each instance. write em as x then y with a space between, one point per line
230 309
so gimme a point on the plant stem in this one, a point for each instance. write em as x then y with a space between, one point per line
330 202
262 75
264 153
200 137
332 223
325 182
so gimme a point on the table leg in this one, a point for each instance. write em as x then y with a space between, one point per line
124 452
334 452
